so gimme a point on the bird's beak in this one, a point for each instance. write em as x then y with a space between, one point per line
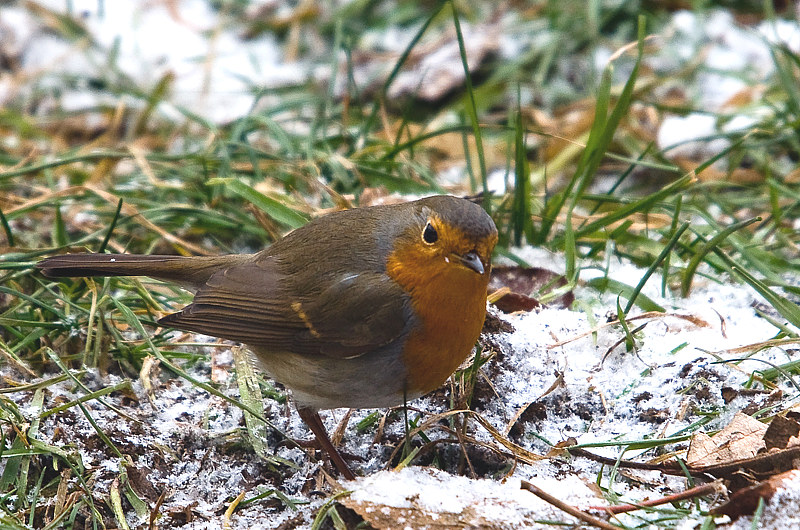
471 260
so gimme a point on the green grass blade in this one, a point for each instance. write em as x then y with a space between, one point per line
676 212
111 226
7 228
788 310
471 107
708 246
673 241
630 341
274 209
59 234
604 284
640 205
522 221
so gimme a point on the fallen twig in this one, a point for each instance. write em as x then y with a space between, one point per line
697 491
564 507
761 465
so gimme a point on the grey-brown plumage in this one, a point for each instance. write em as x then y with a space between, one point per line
318 296
321 309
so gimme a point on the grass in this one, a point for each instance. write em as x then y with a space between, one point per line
144 180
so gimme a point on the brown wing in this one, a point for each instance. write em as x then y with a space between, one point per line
255 304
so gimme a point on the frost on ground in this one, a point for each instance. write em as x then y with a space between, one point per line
424 497
192 448
551 378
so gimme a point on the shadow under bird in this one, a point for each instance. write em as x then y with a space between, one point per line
361 308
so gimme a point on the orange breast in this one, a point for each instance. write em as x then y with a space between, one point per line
450 302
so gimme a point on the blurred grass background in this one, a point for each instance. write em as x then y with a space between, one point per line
559 137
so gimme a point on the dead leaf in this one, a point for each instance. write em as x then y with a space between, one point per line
448 150
780 432
513 302
746 471
436 71
745 501
744 97
739 175
572 121
792 177
523 284
742 438
700 447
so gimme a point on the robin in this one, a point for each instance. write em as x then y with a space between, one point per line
361 308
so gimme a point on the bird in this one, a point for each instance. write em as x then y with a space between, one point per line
361 308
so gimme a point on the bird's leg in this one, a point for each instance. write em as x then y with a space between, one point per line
314 422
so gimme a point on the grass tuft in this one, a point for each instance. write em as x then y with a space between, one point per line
583 173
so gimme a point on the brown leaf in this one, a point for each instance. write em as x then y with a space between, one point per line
139 478
780 430
742 438
513 302
744 97
759 467
739 175
745 501
571 121
448 150
434 71
792 177
524 283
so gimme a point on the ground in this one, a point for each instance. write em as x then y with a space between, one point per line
220 126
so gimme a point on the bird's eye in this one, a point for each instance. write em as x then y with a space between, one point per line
429 235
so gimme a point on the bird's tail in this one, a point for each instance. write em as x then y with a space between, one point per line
189 271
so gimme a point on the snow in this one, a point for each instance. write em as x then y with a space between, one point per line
502 504
604 394
212 76
736 60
